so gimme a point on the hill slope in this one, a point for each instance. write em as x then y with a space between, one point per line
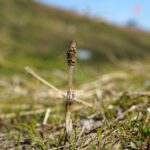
31 33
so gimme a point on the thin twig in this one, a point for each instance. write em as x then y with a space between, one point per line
87 144
78 140
46 116
26 113
31 72
142 94
20 106
132 108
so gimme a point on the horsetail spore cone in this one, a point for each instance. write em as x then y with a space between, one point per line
71 60
71 53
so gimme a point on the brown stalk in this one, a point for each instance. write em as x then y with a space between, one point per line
71 60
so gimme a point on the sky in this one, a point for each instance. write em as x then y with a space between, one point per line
114 11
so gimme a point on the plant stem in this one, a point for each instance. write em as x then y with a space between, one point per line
71 59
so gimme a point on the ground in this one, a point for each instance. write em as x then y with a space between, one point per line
118 119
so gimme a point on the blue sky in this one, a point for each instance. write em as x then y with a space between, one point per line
115 11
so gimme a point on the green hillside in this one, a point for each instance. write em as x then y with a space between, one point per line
36 35
29 28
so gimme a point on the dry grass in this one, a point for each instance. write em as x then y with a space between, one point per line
119 118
